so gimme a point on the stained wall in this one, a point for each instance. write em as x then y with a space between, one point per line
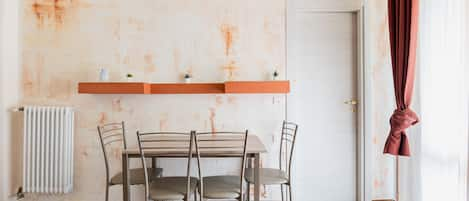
68 41
378 78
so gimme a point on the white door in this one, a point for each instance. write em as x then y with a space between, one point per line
322 65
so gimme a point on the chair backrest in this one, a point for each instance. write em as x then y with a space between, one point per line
109 134
287 145
233 142
166 141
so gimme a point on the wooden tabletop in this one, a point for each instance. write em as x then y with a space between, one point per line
254 146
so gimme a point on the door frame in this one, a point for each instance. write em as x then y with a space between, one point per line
364 139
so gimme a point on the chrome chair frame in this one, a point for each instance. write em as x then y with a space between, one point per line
107 137
242 156
144 138
287 145
111 133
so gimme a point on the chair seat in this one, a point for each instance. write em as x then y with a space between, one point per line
222 187
267 176
137 176
171 188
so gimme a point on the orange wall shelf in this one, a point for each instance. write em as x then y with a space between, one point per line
114 88
191 88
239 87
257 87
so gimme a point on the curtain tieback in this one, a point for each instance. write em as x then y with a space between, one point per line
397 142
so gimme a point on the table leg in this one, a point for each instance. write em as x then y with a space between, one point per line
248 193
125 177
153 162
154 166
257 183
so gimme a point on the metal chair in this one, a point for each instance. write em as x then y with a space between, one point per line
109 135
282 175
225 187
168 188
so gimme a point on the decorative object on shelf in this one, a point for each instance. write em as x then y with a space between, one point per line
275 75
129 77
103 75
187 78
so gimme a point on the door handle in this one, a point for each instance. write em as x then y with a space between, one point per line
351 102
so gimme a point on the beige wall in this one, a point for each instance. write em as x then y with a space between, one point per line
9 84
381 95
69 41
158 41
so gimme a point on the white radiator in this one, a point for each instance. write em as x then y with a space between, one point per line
48 149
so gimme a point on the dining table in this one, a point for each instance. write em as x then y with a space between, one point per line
254 149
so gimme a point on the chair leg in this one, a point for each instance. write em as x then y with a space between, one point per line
195 194
248 191
289 192
281 191
107 193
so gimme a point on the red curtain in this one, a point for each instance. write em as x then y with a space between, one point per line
403 25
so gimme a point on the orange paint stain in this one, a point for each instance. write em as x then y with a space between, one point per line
386 172
38 11
32 74
116 105
218 100
54 10
149 65
116 30
176 58
212 119
164 122
137 23
126 60
27 83
102 118
383 44
59 11
60 88
232 100
230 69
377 184
229 34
